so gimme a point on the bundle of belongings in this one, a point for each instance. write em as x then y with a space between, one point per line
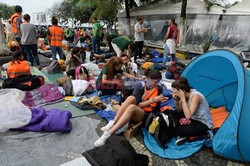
89 103
117 151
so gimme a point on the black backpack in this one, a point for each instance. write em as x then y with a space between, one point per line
165 130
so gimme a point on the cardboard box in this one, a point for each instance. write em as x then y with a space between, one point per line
132 130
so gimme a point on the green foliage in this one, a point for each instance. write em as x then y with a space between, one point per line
6 11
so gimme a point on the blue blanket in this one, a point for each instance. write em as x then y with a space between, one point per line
173 151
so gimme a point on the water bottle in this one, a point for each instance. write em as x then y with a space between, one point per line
153 125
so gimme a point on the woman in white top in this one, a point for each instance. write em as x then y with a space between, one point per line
193 108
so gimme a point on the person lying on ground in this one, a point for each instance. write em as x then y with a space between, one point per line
123 45
73 60
136 107
193 107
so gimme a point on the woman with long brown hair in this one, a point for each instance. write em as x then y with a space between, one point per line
109 80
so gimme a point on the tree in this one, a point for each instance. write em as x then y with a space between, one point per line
183 21
6 11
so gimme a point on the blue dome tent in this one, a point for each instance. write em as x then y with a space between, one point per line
222 78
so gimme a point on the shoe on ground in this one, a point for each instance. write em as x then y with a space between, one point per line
108 126
180 141
102 140
99 93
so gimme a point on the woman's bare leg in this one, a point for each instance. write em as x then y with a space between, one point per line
130 100
132 112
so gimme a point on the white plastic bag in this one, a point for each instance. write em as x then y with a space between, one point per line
79 86
92 68
13 113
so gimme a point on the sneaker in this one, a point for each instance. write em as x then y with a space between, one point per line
180 140
118 93
102 140
108 126
99 93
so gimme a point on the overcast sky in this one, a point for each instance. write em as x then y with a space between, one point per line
31 6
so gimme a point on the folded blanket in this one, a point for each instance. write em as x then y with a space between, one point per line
46 94
53 120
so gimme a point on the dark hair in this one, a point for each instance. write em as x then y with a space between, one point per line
26 17
132 47
172 20
124 55
182 83
17 56
139 18
114 61
54 20
75 51
18 9
154 74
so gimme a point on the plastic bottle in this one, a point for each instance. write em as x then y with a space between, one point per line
153 125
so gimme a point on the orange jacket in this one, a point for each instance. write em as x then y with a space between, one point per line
55 36
14 23
18 68
148 95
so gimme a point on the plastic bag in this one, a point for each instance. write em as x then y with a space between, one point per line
79 86
13 113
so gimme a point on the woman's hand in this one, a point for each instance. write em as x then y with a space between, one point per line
160 98
179 93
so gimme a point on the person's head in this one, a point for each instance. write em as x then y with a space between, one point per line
17 56
18 9
26 17
171 22
132 47
125 59
54 20
114 65
153 77
140 20
181 83
94 20
75 51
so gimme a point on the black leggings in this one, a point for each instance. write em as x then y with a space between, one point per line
196 128
138 51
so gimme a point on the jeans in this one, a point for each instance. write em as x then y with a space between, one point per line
57 49
31 51
138 51
165 56
96 44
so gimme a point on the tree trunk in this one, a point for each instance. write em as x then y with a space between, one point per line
3 48
128 16
183 22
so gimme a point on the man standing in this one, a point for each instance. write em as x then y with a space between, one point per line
96 34
55 36
139 37
171 39
29 40
16 22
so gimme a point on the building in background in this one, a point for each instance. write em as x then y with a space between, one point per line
41 18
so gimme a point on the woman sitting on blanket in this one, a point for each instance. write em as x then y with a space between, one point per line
73 60
137 106
110 80
193 111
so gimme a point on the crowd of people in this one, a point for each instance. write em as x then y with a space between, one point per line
190 104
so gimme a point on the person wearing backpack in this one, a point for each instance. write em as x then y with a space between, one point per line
55 36
73 60
193 111
146 98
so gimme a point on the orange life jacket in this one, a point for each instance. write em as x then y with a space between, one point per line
56 36
149 95
14 23
18 68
